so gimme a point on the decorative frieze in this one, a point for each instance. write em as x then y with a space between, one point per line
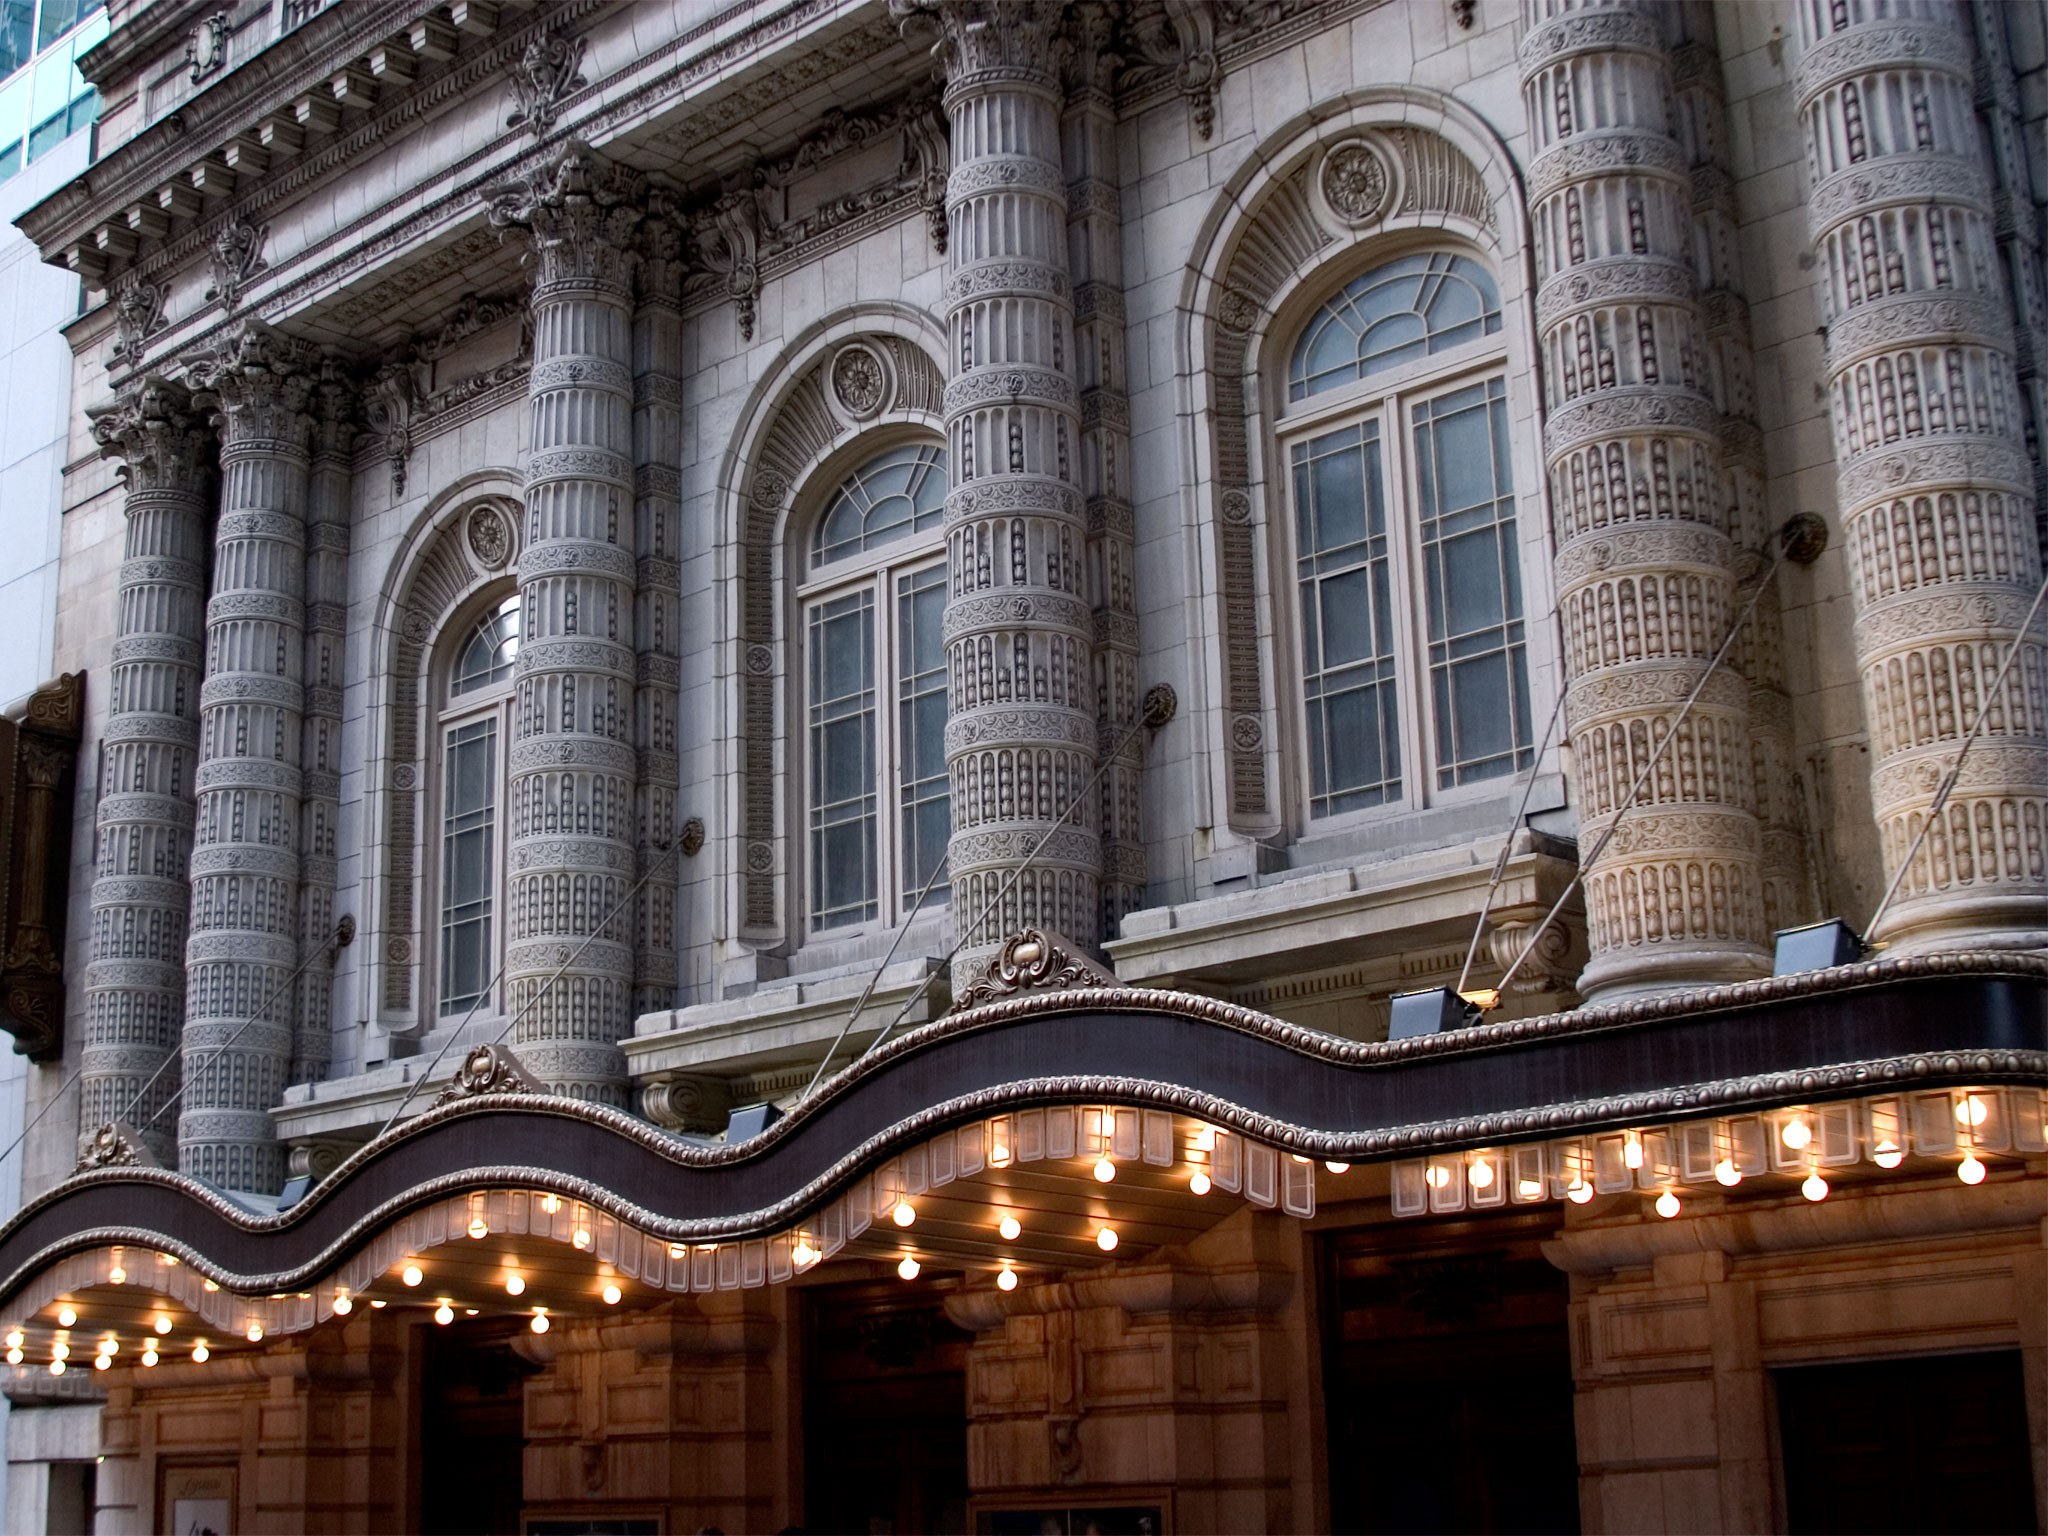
1935 476
135 977
570 945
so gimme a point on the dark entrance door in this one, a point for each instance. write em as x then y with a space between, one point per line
1448 1380
885 1410
472 1427
1935 1443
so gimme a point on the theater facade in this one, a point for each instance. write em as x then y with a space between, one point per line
980 765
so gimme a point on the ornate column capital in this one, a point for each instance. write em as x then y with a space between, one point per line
160 439
579 212
987 42
259 384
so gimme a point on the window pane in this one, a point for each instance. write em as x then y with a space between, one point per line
921 728
487 655
60 16
1466 525
840 707
901 493
469 814
17 42
1347 623
1409 308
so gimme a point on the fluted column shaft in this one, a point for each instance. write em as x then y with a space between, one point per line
1645 559
244 945
1095 250
135 977
572 842
1934 481
657 523
1021 738
327 544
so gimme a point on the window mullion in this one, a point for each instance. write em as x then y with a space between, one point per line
888 769
1411 651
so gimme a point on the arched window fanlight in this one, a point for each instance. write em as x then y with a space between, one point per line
486 656
1410 308
891 497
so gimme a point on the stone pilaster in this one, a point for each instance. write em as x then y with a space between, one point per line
1088 131
1701 123
657 526
244 945
327 542
1646 554
135 978
1934 481
572 841
1021 740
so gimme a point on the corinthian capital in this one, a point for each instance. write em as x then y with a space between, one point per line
160 440
986 41
259 384
579 213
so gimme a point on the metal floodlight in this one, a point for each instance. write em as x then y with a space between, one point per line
1816 947
1430 1011
750 1120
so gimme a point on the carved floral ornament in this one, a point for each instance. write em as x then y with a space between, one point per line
1356 182
236 257
547 74
860 382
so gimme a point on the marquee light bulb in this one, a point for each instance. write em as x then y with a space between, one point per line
255 1334
479 1228
1578 1192
1205 1139
380 1305
611 1295
1106 1239
162 1323
909 1268
117 1276
1970 1171
551 1203
1632 1151
56 1367
1971 1110
200 1353
582 1237
1887 1154
1727 1173
1198 1183
803 1254
1530 1189
1815 1188
14 1357
1338 1167
66 1316
342 1305
444 1314
904 1213
540 1320
15 1338
104 1363
514 1284
1436 1175
110 1345
60 1351
1006 1280
1009 1229
1105 1171
149 1355
412 1274
1797 1134
1667 1205
1480 1174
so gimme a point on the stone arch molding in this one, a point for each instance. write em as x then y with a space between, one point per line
467 539
1370 164
861 372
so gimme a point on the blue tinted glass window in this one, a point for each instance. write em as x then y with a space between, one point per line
1410 308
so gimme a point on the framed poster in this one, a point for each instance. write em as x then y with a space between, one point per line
199 1501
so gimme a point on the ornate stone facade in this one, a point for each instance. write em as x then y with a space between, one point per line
1646 555
1936 476
1021 738
569 968
141 899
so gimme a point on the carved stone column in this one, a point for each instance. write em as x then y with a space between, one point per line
327 541
1021 741
244 945
1935 484
1095 249
657 524
135 978
1646 560
572 761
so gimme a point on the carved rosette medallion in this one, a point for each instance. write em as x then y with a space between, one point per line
1355 183
490 537
860 381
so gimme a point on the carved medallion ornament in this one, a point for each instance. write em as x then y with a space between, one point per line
1355 182
237 257
487 1069
490 540
1032 961
115 1145
547 74
138 315
859 382
206 46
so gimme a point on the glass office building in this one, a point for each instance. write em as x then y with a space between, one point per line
44 100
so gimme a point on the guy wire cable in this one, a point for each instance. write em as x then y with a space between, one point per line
1507 846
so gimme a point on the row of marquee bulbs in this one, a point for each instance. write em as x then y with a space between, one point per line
109 1345
1796 1133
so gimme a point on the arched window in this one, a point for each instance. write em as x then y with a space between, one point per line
877 812
1414 678
473 727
